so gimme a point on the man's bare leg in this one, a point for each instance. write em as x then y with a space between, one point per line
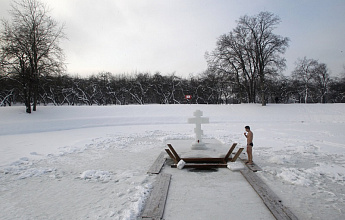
250 155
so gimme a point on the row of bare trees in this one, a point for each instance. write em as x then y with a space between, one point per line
251 57
312 77
108 89
205 88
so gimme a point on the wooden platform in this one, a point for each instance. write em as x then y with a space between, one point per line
205 162
270 199
154 207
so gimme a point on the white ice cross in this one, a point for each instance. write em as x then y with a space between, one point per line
198 120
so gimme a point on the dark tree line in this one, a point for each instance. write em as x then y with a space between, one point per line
108 89
145 88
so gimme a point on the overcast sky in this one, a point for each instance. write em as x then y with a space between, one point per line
128 36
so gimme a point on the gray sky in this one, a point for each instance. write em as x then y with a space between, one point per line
128 36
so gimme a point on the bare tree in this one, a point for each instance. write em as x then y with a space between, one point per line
251 52
231 58
30 46
321 79
265 47
303 72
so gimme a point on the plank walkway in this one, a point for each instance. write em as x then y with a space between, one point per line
158 164
155 205
253 167
270 199
154 208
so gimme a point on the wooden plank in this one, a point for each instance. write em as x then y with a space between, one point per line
237 155
158 164
270 199
147 218
174 152
203 166
253 167
154 207
203 160
171 155
226 158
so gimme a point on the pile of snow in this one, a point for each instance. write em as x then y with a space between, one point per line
98 175
181 164
235 166
23 169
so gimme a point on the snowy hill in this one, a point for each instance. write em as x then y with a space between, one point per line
91 161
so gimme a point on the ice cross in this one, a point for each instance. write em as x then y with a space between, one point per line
198 120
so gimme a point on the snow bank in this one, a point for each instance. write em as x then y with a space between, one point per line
137 203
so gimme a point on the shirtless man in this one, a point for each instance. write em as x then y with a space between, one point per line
249 136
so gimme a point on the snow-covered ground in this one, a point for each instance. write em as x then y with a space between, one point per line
91 162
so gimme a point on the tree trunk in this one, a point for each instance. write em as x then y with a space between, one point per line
27 98
263 88
35 93
263 99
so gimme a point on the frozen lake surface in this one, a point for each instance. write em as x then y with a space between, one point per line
91 161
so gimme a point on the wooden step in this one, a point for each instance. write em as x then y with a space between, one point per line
203 166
